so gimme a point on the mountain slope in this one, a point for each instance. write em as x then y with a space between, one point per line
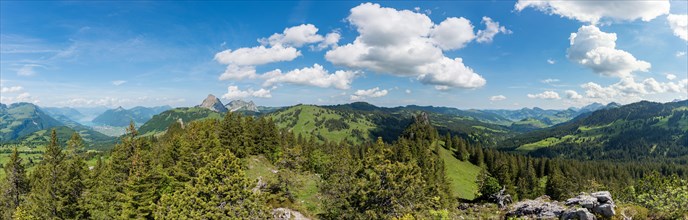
159 123
21 119
213 103
634 131
93 139
121 117
360 121
70 113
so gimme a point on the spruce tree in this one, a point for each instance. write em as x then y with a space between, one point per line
220 191
74 179
47 196
14 186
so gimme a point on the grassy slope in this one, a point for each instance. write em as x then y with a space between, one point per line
307 184
461 174
602 132
301 120
159 123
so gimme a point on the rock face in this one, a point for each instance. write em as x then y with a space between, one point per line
579 213
287 214
236 105
584 206
600 203
540 208
213 103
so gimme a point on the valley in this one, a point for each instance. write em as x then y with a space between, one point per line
301 167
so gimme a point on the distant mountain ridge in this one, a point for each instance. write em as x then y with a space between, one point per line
634 131
213 103
236 105
29 124
120 117
21 119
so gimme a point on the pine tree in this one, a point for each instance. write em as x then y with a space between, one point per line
15 185
74 179
46 199
556 187
220 191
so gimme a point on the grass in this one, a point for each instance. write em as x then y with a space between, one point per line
547 142
306 190
461 174
301 120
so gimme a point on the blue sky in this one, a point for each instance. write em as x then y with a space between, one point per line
473 54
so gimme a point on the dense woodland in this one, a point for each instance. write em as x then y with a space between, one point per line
196 171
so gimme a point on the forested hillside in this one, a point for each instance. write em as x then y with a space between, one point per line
244 167
642 130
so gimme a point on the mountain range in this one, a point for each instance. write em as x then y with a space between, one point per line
607 130
120 117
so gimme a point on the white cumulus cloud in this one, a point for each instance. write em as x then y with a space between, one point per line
453 33
551 61
594 11
233 92
679 24
670 76
497 98
296 36
311 76
492 28
596 50
545 95
572 95
368 93
251 56
408 44
235 72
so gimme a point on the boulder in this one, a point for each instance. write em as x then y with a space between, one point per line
603 196
287 214
579 213
539 208
584 200
606 210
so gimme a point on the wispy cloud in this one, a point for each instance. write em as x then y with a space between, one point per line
118 82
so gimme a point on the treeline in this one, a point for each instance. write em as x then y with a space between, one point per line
660 186
195 171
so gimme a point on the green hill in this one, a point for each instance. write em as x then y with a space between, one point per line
361 121
121 117
635 131
93 139
461 174
21 119
159 123
324 124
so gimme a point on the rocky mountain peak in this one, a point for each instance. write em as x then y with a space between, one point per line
236 105
213 103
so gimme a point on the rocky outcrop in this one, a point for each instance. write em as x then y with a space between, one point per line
237 105
600 203
213 103
584 206
579 213
540 208
287 214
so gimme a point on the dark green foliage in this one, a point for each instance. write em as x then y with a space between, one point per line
487 185
14 186
220 191
666 196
